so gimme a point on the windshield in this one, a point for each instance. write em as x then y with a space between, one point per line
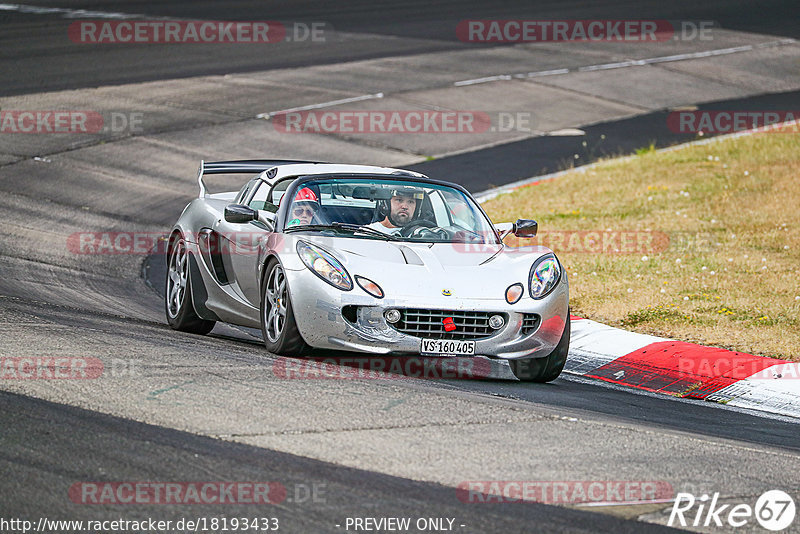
371 208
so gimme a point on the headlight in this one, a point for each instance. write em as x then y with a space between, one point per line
544 276
324 265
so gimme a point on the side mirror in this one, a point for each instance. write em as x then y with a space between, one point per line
521 228
240 214
525 228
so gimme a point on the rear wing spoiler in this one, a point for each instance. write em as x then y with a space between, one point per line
248 166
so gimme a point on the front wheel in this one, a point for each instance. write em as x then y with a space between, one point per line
544 369
178 295
281 335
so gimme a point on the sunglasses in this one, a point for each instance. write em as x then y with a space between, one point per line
303 211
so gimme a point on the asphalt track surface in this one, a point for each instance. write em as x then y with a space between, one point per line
45 434
47 445
34 56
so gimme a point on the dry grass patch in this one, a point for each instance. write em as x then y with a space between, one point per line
724 266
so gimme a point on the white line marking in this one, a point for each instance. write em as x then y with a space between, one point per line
566 132
629 63
270 114
542 73
666 59
624 503
483 80
68 13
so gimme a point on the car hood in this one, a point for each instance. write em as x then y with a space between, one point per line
406 270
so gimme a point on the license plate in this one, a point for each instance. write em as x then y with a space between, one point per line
447 346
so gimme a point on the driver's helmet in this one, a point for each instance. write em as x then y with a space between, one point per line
307 195
409 191
384 208
305 203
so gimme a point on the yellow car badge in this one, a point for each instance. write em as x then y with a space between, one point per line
446 292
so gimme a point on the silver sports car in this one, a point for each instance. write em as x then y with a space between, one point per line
367 259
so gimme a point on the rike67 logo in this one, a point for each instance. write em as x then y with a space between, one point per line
774 510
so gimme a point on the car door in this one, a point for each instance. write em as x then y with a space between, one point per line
239 244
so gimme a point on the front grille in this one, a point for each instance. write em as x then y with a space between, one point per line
530 323
428 323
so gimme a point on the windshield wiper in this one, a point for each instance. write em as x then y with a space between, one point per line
342 226
364 229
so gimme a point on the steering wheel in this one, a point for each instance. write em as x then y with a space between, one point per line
424 228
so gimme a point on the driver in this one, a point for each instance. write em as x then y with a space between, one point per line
303 208
403 209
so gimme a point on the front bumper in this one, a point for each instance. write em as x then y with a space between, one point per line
318 312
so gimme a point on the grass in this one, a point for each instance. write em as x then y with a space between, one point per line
715 257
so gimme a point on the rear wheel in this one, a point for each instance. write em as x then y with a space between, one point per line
544 369
281 335
178 296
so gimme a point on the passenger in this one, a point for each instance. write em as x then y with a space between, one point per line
303 208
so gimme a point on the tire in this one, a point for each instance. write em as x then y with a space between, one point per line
178 304
278 326
544 369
